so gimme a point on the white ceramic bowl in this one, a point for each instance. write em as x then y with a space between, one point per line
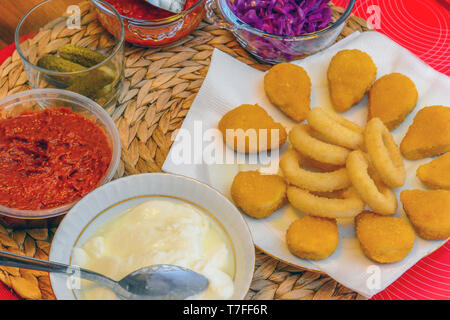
109 200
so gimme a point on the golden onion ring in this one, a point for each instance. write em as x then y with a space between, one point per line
347 207
335 128
291 166
380 198
302 140
384 153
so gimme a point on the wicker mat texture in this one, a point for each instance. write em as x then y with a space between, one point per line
160 85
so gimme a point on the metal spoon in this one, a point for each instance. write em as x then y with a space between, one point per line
156 282
174 6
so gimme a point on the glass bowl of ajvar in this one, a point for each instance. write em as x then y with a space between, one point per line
149 26
56 146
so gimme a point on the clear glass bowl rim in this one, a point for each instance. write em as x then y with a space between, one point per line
101 115
157 22
117 48
236 22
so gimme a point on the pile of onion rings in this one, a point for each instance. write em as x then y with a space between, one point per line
335 167
332 140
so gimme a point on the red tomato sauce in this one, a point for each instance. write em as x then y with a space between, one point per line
139 9
50 158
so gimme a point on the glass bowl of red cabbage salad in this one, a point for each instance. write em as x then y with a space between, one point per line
280 30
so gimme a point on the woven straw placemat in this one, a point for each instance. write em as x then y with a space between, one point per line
160 85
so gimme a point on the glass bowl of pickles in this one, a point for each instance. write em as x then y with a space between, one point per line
63 45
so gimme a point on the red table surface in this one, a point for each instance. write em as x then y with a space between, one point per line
421 26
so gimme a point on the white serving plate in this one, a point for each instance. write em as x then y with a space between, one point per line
108 201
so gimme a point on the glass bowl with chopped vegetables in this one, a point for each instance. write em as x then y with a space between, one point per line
63 45
280 30
56 146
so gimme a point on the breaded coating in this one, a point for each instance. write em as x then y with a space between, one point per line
288 87
428 135
304 140
350 75
314 164
334 205
248 116
384 239
294 172
436 174
258 195
392 98
429 212
312 238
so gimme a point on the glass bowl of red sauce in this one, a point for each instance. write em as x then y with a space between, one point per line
149 26
56 146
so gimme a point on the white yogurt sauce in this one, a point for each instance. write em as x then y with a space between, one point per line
159 232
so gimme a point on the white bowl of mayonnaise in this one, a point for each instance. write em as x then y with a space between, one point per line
154 218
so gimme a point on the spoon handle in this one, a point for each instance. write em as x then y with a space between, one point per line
171 6
15 260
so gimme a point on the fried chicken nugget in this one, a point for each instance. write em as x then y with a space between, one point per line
384 239
436 174
258 195
312 238
350 75
429 212
392 98
288 87
247 117
428 135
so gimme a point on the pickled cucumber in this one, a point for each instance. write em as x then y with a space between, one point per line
92 84
81 55
84 88
59 64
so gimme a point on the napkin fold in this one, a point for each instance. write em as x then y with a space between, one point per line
230 83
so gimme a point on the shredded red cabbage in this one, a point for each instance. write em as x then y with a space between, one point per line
284 17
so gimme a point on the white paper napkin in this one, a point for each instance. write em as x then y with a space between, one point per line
230 83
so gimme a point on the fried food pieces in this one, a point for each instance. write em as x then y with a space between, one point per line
428 135
258 195
350 75
311 163
392 98
304 142
377 196
251 129
347 205
288 87
384 239
335 128
312 237
429 212
436 174
384 153
291 165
